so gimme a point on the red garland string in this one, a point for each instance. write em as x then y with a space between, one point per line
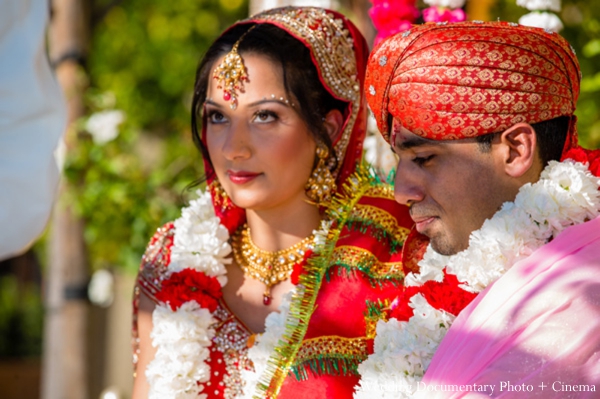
445 295
190 285
591 157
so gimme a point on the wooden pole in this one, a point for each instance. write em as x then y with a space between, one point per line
64 368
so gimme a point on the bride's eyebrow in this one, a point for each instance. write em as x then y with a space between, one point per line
269 100
211 102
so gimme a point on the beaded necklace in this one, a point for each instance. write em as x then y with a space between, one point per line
270 268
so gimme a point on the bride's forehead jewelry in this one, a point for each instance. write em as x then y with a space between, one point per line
231 73
281 99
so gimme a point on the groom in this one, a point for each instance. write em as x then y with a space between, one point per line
479 114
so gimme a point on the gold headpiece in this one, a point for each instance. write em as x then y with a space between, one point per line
231 73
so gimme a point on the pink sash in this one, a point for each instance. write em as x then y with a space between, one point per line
533 333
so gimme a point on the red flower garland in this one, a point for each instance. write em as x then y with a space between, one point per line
590 157
190 285
447 296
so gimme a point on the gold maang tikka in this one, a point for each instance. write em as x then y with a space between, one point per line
231 73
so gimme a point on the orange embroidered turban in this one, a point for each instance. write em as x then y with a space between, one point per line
462 80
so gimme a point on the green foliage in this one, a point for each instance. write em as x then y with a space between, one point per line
21 316
582 31
143 62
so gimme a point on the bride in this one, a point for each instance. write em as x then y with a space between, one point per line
270 284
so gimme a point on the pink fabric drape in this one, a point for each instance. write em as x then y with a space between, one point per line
533 333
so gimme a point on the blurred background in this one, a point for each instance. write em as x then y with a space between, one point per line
127 69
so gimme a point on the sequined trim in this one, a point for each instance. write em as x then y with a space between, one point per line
155 261
232 340
375 311
135 333
366 262
381 218
380 191
329 355
152 271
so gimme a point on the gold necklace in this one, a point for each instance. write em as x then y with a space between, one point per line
268 267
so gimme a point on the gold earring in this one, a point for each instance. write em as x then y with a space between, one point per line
321 183
219 194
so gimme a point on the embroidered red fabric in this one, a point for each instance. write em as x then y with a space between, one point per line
459 80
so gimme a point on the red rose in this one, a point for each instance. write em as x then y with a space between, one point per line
190 285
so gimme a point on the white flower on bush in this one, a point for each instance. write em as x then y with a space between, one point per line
539 5
103 126
544 20
446 3
101 289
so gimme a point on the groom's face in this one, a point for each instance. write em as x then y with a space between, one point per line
451 186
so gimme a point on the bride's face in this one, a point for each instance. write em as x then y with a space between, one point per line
262 151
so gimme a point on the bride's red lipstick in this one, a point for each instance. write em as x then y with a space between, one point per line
241 176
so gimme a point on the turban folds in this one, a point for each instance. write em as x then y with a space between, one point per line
461 80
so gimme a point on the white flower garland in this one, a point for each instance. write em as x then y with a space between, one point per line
263 347
565 195
183 337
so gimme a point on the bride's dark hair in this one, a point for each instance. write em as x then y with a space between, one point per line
300 78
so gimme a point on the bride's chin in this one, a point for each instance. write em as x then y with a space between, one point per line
248 201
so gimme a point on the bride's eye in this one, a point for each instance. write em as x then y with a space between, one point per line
215 117
265 116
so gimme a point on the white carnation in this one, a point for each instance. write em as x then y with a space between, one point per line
446 3
578 187
200 242
540 5
264 345
182 338
402 352
544 20
430 268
